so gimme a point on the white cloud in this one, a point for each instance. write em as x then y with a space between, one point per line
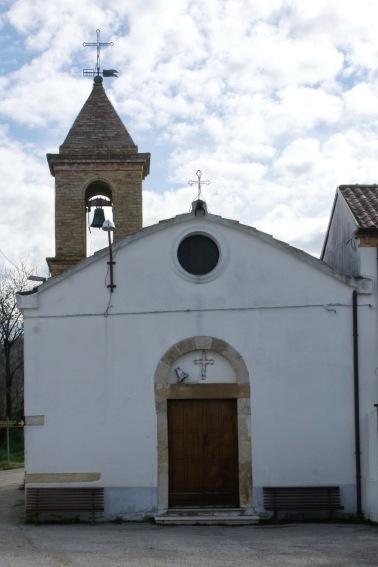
274 101
361 102
26 229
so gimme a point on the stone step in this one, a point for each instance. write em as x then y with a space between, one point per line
195 516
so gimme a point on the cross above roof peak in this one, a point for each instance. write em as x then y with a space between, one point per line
96 70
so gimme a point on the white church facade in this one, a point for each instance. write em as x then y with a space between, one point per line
201 362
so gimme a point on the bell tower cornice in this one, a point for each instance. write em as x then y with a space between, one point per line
58 162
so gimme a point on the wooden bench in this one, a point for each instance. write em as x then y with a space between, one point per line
83 499
286 498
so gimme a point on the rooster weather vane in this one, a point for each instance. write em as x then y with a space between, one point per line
96 71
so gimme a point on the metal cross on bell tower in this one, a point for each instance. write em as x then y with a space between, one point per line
96 71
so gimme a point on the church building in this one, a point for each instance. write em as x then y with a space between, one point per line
190 366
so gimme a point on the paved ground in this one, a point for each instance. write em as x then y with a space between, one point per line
147 545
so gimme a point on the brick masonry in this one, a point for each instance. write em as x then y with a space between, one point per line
98 150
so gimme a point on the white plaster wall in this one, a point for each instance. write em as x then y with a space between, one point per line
341 251
368 391
98 406
304 399
91 375
368 261
258 273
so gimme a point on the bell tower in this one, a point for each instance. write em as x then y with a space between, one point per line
97 158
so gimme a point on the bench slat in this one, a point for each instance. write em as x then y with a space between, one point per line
77 499
279 498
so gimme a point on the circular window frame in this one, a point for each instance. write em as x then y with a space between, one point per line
222 261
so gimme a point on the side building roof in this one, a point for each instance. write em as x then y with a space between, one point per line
353 224
362 200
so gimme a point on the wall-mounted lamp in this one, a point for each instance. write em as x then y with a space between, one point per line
36 279
181 374
109 227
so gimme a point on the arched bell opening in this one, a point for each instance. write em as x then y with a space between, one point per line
99 207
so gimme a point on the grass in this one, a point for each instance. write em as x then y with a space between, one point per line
16 450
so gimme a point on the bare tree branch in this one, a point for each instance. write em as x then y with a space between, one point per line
11 338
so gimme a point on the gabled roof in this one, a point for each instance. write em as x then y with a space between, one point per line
362 200
98 129
363 284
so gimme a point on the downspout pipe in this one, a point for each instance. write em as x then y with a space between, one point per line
356 404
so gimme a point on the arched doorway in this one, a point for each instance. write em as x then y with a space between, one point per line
170 393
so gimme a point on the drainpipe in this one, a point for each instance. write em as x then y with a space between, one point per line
356 404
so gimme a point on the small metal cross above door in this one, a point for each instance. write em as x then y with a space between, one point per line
203 361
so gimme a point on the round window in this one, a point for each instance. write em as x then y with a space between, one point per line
198 254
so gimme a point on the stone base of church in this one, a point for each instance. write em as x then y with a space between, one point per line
137 503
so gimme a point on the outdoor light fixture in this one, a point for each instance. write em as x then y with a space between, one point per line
109 227
36 279
181 374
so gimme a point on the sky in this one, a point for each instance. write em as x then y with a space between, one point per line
275 101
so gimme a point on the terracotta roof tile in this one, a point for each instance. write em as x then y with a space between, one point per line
363 202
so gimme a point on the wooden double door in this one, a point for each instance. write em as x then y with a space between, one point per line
203 453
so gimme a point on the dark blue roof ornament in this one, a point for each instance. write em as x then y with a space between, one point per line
96 71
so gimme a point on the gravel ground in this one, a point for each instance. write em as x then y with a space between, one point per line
147 545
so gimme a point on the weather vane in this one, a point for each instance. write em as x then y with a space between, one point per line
96 71
199 182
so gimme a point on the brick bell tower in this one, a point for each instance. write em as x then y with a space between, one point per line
98 158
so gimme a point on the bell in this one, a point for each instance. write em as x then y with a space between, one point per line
98 218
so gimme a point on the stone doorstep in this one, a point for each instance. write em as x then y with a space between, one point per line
213 516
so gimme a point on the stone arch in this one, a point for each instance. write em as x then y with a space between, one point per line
239 390
98 187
